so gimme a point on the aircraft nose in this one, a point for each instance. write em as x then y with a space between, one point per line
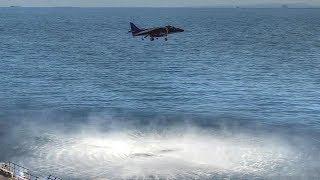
180 30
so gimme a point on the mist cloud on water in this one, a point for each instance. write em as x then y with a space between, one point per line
110 148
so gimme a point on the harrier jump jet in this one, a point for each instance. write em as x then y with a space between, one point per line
154 32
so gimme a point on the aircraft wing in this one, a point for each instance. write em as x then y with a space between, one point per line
147 31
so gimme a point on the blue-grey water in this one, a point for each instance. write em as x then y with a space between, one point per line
236 96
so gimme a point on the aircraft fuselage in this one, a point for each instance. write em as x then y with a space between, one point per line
154 32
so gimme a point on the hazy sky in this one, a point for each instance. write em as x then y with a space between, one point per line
154 2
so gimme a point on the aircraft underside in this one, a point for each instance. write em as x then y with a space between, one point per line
152 36
156 35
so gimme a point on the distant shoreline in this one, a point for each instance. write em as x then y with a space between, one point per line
162 7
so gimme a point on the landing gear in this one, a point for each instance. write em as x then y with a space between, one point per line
151 38
167 32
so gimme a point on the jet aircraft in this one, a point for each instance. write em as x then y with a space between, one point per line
154 32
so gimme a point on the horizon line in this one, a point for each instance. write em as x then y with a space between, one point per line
225 6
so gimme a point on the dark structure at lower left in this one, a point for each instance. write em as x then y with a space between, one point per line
12 171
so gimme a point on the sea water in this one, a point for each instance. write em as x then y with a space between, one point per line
237 95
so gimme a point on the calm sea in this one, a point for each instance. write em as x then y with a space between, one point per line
237 95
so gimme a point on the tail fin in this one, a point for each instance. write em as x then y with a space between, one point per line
134 28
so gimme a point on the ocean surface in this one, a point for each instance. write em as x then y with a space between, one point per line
235 96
